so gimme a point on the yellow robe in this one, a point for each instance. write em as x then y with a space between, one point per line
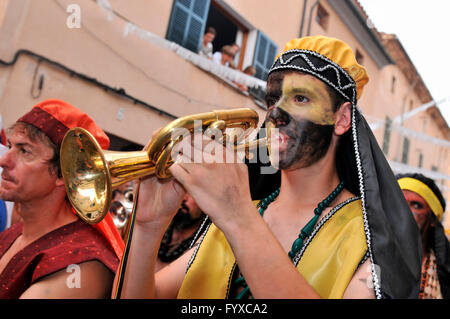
329 261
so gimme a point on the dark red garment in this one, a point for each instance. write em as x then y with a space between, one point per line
74 243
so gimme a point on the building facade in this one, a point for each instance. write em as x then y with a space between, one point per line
133 67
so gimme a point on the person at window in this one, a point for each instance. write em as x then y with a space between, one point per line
206 49
225 56
332 224
249 70
236 48
51 252
428 206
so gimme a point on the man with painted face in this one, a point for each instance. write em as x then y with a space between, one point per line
427 206
330 224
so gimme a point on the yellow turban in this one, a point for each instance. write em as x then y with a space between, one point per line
336 51
425 192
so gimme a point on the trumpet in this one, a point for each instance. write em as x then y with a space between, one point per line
122 207
90 173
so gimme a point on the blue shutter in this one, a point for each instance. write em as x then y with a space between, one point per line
187 23
265 53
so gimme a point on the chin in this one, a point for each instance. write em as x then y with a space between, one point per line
7 196
292 166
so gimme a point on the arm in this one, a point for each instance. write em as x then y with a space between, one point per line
94 281
361 285
157 203
265 265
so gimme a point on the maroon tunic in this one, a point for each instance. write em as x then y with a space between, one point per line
74 243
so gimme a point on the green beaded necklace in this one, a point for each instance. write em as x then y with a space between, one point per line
304 233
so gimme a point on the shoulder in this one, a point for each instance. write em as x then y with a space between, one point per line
74 243
90 279
346 216
8 236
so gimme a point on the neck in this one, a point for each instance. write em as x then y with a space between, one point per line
43 215
425 248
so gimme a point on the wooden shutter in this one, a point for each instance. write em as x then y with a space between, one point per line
405 150
387 135
187 23
265 53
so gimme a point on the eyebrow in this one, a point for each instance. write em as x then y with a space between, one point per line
21 144
301 90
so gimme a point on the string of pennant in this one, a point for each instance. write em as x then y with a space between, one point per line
200 61
237 76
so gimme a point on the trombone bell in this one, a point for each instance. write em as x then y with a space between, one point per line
90 173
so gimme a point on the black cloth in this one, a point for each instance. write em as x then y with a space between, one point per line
392 234
441 247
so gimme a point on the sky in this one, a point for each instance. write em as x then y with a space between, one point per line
423 28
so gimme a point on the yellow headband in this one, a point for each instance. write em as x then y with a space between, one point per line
423 190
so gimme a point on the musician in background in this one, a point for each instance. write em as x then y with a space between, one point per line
122 207
183 230
428 206
51 253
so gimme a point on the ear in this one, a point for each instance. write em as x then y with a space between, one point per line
343 119
59 182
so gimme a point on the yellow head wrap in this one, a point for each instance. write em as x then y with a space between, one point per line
336 51
425 192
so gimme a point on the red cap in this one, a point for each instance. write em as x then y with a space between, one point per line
55 117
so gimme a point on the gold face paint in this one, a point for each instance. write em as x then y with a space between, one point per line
305 97
300 109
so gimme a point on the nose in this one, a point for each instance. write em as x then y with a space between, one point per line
6 159
279 117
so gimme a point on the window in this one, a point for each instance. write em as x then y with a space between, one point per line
420 164
359 57
190 18
265 53
424 125
387 135
405 152
322 17
225 27
394 81
187 23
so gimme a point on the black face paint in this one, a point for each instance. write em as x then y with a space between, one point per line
307 142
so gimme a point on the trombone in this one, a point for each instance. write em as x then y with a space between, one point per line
90 173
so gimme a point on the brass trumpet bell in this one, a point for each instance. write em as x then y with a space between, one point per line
90 173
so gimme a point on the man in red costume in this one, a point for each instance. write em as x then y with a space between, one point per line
51 253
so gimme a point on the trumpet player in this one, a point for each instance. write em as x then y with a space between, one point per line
333 226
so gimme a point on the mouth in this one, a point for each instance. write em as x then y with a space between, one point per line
283 138
278 140
6 178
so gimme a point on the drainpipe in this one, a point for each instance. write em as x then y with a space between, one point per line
310 16
305 4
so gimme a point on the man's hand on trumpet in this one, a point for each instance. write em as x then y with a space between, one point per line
218 181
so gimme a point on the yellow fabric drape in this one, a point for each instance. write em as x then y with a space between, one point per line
328 263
